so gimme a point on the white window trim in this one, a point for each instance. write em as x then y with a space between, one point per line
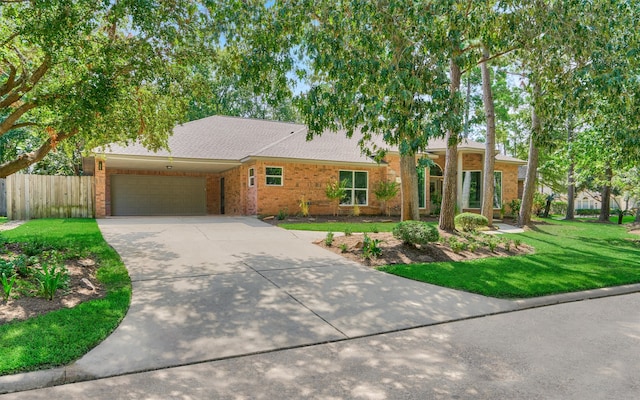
251 181
353 197
281 176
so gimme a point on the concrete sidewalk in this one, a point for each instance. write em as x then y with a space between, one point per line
210 288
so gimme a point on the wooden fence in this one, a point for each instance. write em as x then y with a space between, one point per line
3 199
47 196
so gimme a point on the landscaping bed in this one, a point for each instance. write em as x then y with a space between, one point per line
394 251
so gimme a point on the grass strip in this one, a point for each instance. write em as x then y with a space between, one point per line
62 336
355 227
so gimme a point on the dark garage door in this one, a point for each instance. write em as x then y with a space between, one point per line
158 195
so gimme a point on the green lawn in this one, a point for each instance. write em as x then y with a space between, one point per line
3 220
341 226
60 337
569 256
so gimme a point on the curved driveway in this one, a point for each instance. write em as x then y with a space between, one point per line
206 288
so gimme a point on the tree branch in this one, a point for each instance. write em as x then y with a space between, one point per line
8 123
24 160
10 83
28 85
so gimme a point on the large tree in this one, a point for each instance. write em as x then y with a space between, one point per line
99 71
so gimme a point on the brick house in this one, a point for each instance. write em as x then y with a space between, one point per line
239 166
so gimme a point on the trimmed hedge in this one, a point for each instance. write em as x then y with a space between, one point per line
415 232
470 222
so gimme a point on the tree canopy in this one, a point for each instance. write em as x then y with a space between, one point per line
101 72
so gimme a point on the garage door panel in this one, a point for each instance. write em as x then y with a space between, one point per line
157 195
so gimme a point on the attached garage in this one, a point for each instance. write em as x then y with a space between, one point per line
158 195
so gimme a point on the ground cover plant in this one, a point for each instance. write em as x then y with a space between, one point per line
569 256
61 336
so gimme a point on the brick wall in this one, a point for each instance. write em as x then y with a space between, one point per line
308 180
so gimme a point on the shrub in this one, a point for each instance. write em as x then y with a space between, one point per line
283 213
469 222
304 206
7 285
458 246
328 240
507 245
370 247
473 247
539 201
348 231
516 243
51 279
559 207
343 247
492 244
415 232
335 191
514 206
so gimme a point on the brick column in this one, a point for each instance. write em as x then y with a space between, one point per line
100 179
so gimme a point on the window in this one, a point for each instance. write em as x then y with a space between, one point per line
252 177
497 189
472 189
356 188
422 192
274 176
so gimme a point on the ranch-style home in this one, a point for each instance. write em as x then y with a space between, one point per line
240 166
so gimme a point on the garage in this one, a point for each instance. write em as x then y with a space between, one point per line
158 195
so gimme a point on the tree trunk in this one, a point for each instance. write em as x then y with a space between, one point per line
488 188
524 217
571 179
448 206
409 177
571 193
605 209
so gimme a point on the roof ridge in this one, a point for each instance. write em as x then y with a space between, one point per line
289 136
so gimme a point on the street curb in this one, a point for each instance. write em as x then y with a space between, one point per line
70 374
562 298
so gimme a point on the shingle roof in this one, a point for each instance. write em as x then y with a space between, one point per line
235 139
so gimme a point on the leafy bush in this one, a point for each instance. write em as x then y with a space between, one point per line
335 191
588 211
516 243
559 207
343 247
7 285
492 244
370 247
328 240
348 231
539 201
415 232
304 206
51 279
283 213
514 206
458 246
469 222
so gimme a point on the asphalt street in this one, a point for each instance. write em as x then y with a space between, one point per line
581 350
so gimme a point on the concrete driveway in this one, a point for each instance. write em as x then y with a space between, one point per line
206 288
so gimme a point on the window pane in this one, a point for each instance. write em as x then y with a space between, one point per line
274 171
347 176
435 170
347 199
361 197
497 193
251 171
361 180
471 190
274 180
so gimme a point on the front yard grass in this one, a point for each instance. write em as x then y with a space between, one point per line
62 336
3 220
569 256
355 227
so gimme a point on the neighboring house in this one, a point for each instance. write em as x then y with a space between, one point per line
237 166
